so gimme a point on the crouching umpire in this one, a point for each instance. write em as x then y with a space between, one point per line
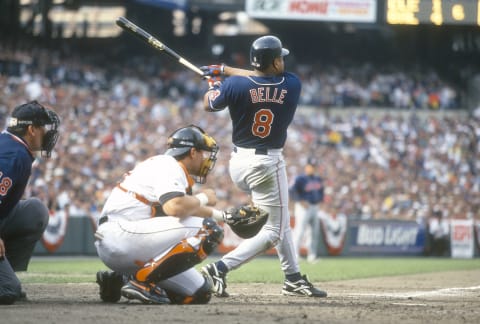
30 128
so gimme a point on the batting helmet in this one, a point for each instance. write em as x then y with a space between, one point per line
264 50
181 141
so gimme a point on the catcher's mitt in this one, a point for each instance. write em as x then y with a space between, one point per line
245 221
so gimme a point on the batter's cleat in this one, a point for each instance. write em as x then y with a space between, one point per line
217 278
302 288
110 284
147 294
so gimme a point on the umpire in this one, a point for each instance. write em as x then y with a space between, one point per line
30 128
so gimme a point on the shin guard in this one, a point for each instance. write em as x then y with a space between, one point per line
184 255
201 296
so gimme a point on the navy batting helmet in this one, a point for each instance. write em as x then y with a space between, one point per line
264 50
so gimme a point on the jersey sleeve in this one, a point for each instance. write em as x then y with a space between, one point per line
296 189
171 183
217 98
156 177
15 171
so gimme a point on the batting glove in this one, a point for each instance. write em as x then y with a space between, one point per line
213 70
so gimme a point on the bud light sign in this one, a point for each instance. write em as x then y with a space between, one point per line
382 237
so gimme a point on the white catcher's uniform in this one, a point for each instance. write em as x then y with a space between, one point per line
265 178
132 236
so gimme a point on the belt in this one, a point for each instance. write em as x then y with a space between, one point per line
261 151
102 220
258 151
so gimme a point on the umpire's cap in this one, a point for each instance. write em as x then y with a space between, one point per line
30 113
33 113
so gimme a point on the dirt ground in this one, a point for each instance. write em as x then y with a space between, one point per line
446 297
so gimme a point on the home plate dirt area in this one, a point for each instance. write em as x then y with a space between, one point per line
443 297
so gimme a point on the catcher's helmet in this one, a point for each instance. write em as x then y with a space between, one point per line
33 113
264 50
181 141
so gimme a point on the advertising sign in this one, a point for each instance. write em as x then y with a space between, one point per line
364 11
369 237
461 238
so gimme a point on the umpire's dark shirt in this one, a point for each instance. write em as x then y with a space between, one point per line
15 169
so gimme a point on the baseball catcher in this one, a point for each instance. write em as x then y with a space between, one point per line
147 233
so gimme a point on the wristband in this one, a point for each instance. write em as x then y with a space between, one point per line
203 198
222 68
217 215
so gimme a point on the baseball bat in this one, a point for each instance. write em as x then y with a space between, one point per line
145 36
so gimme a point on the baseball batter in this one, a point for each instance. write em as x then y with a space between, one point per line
30 128
153 230
307 193
262 104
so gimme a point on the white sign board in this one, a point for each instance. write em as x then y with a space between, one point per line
461 238
363 11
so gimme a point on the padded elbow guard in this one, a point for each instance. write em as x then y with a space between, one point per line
186 254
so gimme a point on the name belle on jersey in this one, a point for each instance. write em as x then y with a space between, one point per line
265 94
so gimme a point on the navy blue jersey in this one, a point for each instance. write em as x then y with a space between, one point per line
15 169
308 188
261 108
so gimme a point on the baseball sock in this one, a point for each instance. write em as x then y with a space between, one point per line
221 266
293 276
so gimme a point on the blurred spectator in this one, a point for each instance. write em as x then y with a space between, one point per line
307 192
398 162
439 234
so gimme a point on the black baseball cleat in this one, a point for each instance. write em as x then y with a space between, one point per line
22 296
302 288
217 278
147 294
110 284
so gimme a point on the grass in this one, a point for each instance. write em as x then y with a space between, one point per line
262 269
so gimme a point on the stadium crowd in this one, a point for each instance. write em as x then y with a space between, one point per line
383 164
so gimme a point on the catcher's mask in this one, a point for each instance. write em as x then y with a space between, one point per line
181 141
33 113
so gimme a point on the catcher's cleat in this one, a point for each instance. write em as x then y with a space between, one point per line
302 288
147 294
23 296
110 284
217 278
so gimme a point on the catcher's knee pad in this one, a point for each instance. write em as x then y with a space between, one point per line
201 296
184 255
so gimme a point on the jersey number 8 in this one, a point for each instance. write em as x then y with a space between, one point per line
262 123
5 184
